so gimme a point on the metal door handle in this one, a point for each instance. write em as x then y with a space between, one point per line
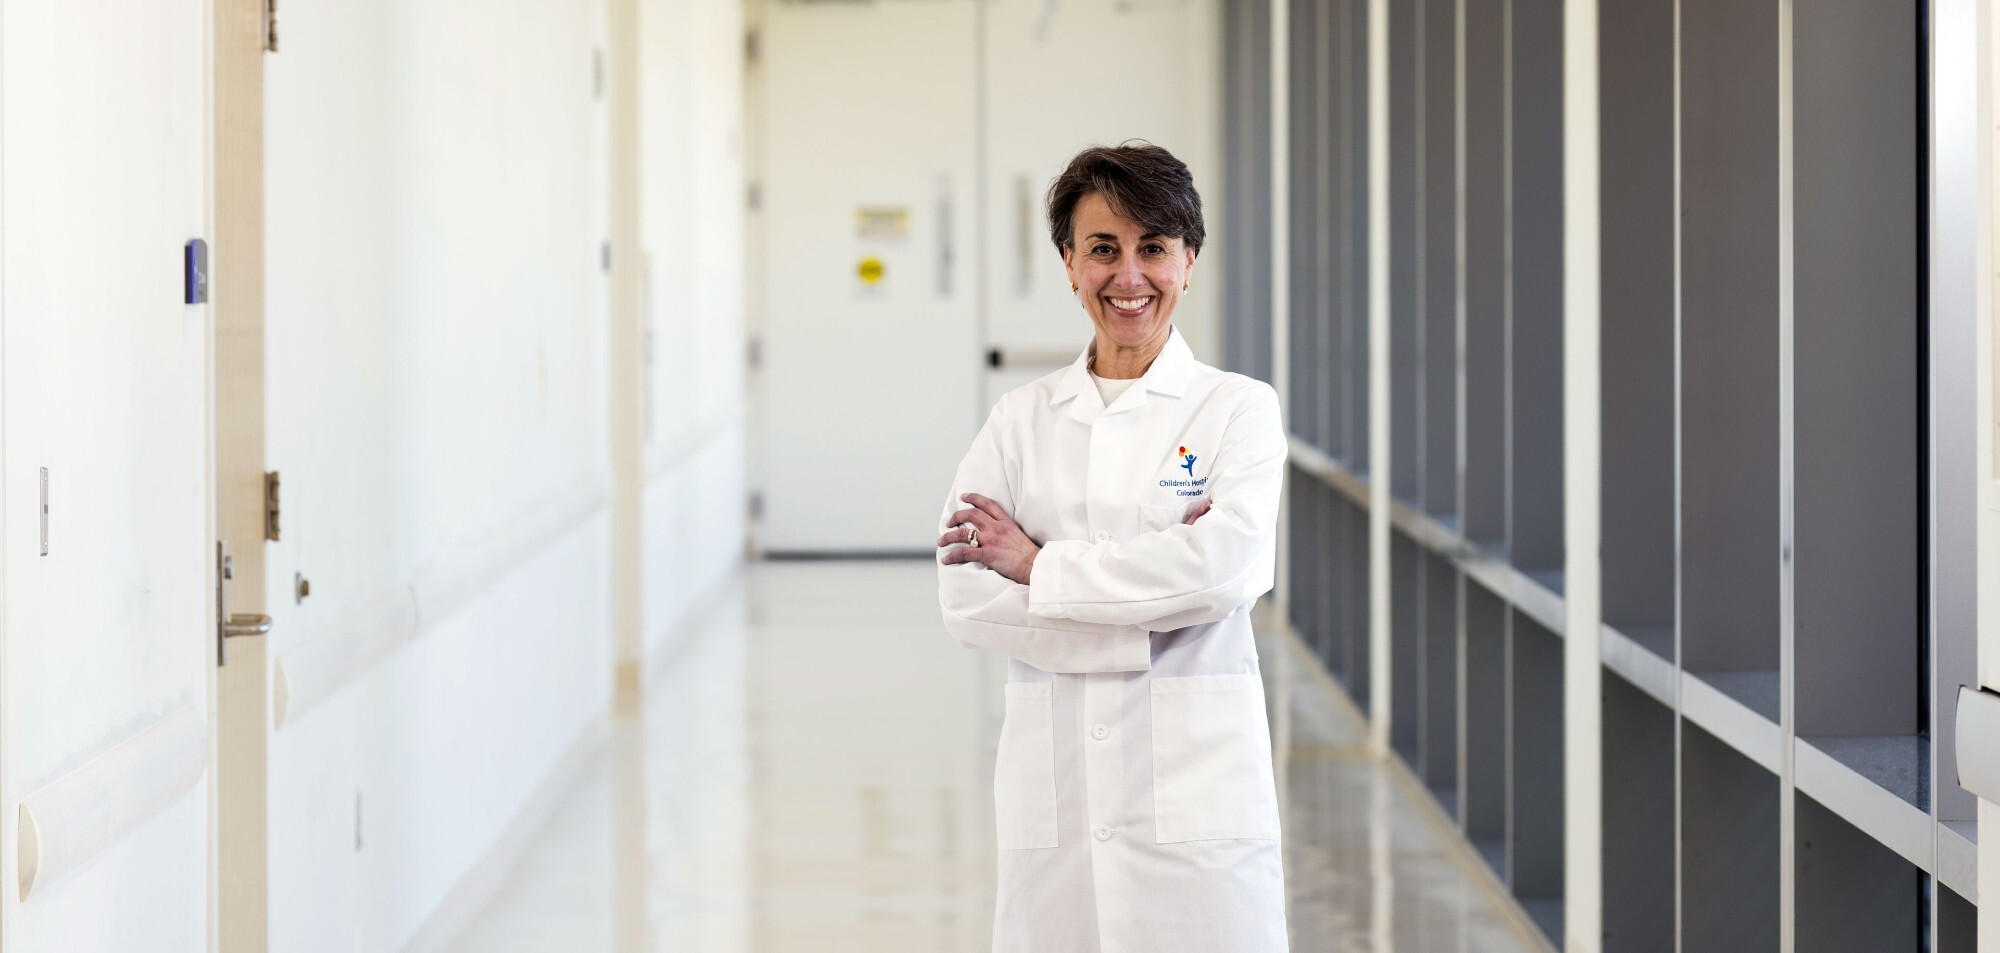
946 256
1024 236
999 358
246 624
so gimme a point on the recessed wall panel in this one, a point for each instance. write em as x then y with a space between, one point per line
1406 628
1483 724
1439 766
1406 229
1637 348
1729 848
1484 325
1858 329
1638 847
1438 283
1853 895
1536 771
1354 291
1730 492
1535 315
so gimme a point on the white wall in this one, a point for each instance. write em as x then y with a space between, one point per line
107 654
438 334
692 226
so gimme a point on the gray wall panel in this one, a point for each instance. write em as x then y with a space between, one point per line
1638 853
1354 173
1484 519
1484 721
1439 762
1729 849
1535 323
1439 268
1855 895
1637 347
1536 723
1406 641
1858 440
1729 335
1405 256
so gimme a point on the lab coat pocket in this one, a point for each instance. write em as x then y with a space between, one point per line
1024 778
1212 774
1154 517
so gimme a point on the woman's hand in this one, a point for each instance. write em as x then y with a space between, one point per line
1003 546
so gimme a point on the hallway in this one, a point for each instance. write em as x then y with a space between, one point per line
810 773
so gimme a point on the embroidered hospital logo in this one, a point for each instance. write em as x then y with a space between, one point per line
1187 462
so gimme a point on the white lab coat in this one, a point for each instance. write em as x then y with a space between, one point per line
1134 794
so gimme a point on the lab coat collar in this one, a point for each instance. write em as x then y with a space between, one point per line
1168 376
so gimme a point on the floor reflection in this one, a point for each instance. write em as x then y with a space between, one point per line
809 771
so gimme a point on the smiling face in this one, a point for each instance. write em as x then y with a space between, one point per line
1129 278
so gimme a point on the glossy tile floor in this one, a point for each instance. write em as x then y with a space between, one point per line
809 772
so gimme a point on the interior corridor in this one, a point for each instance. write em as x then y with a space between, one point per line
811 771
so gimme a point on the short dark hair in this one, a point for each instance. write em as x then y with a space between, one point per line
1140 181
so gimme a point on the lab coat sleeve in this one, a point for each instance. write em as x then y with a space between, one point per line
983 609
1184 574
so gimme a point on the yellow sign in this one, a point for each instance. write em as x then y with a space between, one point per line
870 271
889 223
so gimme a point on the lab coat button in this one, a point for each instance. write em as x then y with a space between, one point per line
1100 732
1102 832
1103 537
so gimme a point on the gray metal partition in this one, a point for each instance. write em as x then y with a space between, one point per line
1768 761
1246 184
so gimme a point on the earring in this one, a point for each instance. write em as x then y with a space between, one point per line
1185 289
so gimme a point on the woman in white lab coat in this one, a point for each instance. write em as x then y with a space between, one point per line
1109 531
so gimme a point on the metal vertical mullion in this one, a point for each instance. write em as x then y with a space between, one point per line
1507 278
1323 284
1960 140
1420 261
1378 366
1787 429
1464 734
1353 309
1963 297
1457 263
1583 712
1680 652
1280 237
1508 723
1506 367
1277 240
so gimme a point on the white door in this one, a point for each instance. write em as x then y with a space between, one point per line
1054 88
870 351
108 639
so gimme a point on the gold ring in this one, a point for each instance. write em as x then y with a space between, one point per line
972 536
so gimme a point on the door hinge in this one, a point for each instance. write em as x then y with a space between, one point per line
754 353
753 196
270 26
753 46
273 528
756 505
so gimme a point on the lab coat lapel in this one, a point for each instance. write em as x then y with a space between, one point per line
1131 439
1085 403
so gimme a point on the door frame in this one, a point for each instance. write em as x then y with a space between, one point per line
239 861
